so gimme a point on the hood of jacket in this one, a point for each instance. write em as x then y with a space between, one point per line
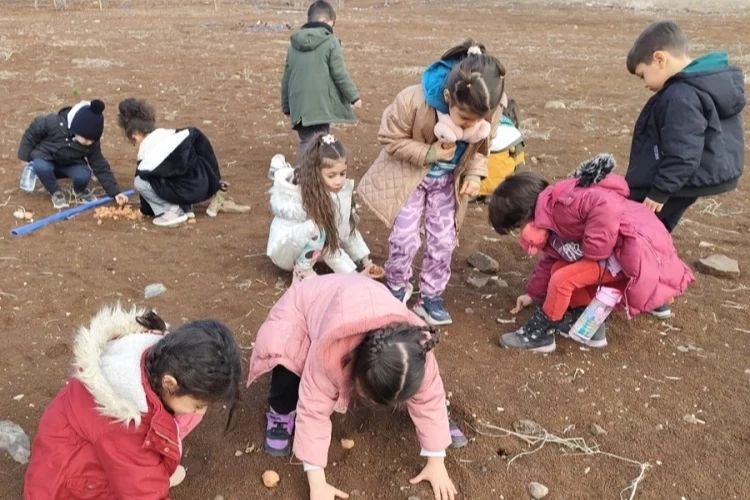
713 75
311 36
433 83
107 360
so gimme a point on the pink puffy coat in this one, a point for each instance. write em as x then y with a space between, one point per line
314 325
606 222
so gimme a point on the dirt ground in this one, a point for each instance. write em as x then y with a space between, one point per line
206 69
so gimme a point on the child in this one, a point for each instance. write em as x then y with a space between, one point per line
314 212
67 144
506 152
339 337
316 89
116 429
592 235
176 168
416 174
688 141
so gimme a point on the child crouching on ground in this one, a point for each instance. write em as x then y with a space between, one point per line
116 429
315 215
344 336
591 234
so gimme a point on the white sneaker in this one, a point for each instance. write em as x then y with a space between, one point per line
171 217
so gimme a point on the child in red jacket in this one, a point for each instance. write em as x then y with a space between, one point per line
591 234
116 429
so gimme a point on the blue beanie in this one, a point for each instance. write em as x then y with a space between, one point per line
88 121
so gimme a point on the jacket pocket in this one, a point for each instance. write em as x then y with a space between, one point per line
89 489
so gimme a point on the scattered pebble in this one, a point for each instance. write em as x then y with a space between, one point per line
413 498
219 497
534 160
692 419
597 430
538 490
483 263
347 444
18 397
238 453
271 479
469 310
477 280
154 290
659 427
705 244
245 285
528 427
554 105
14 440
720 266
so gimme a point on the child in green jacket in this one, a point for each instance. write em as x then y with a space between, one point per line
316 89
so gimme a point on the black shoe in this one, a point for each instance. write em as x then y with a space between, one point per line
537 335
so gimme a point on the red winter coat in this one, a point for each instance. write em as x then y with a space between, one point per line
606 222
107 435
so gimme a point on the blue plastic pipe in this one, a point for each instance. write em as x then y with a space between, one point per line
66 214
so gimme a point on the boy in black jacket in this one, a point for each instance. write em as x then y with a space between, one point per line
66 144
688 141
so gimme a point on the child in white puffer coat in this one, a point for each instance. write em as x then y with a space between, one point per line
315 215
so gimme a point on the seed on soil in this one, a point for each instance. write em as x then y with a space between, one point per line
347 444
271 479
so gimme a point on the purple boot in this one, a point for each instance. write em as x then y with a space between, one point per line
279 430
458 440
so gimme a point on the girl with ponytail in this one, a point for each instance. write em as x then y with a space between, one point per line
341 337
423 171
315 215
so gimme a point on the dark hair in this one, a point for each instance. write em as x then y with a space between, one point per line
512 112
203 358
389 365
664 35
514 200
316 199
136 116
320 10
477 83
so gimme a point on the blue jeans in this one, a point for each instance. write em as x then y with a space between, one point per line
48 173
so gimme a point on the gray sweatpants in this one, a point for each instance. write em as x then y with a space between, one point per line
158 205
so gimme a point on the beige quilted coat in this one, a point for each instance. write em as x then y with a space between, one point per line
406 133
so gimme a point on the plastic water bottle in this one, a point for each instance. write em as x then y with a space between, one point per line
595 314
28 179
217 201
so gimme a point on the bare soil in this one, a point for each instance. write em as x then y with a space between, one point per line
202 68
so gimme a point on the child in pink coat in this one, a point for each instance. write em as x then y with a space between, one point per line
341 335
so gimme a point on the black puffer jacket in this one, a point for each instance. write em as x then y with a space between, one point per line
688 140
48 138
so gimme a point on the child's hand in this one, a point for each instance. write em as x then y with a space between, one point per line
653 205
469 188
357 104
320 489
372 270
444 151
437 475
121 199
522 302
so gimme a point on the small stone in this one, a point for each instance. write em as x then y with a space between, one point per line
496 284
747 372
538 490
659 427
271 478
154 290
484 469
356 493
705 244
18 397
413 498
347 444
469 310
15 441
484 263
534 160
219 497
720 266
477 280
554 105
597 430
528 427
692 419
245 285
239 453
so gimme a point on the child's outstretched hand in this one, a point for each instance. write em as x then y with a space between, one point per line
522 302
320 489
121 199
437 475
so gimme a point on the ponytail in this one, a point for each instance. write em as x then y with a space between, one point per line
477 83
462 50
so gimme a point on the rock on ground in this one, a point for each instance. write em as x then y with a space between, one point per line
538 490
484 263
528 427
720 266
14 440
477 280
154 290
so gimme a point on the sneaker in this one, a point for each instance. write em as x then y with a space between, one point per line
171 217
279 430
662 312
458 440
86 197
59 200
537 335
404 293
188 209
432 311
597 341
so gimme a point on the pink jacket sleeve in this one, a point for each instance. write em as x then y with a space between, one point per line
428 410
602 225
317 399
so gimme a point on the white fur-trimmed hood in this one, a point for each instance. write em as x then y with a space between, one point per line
107 360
